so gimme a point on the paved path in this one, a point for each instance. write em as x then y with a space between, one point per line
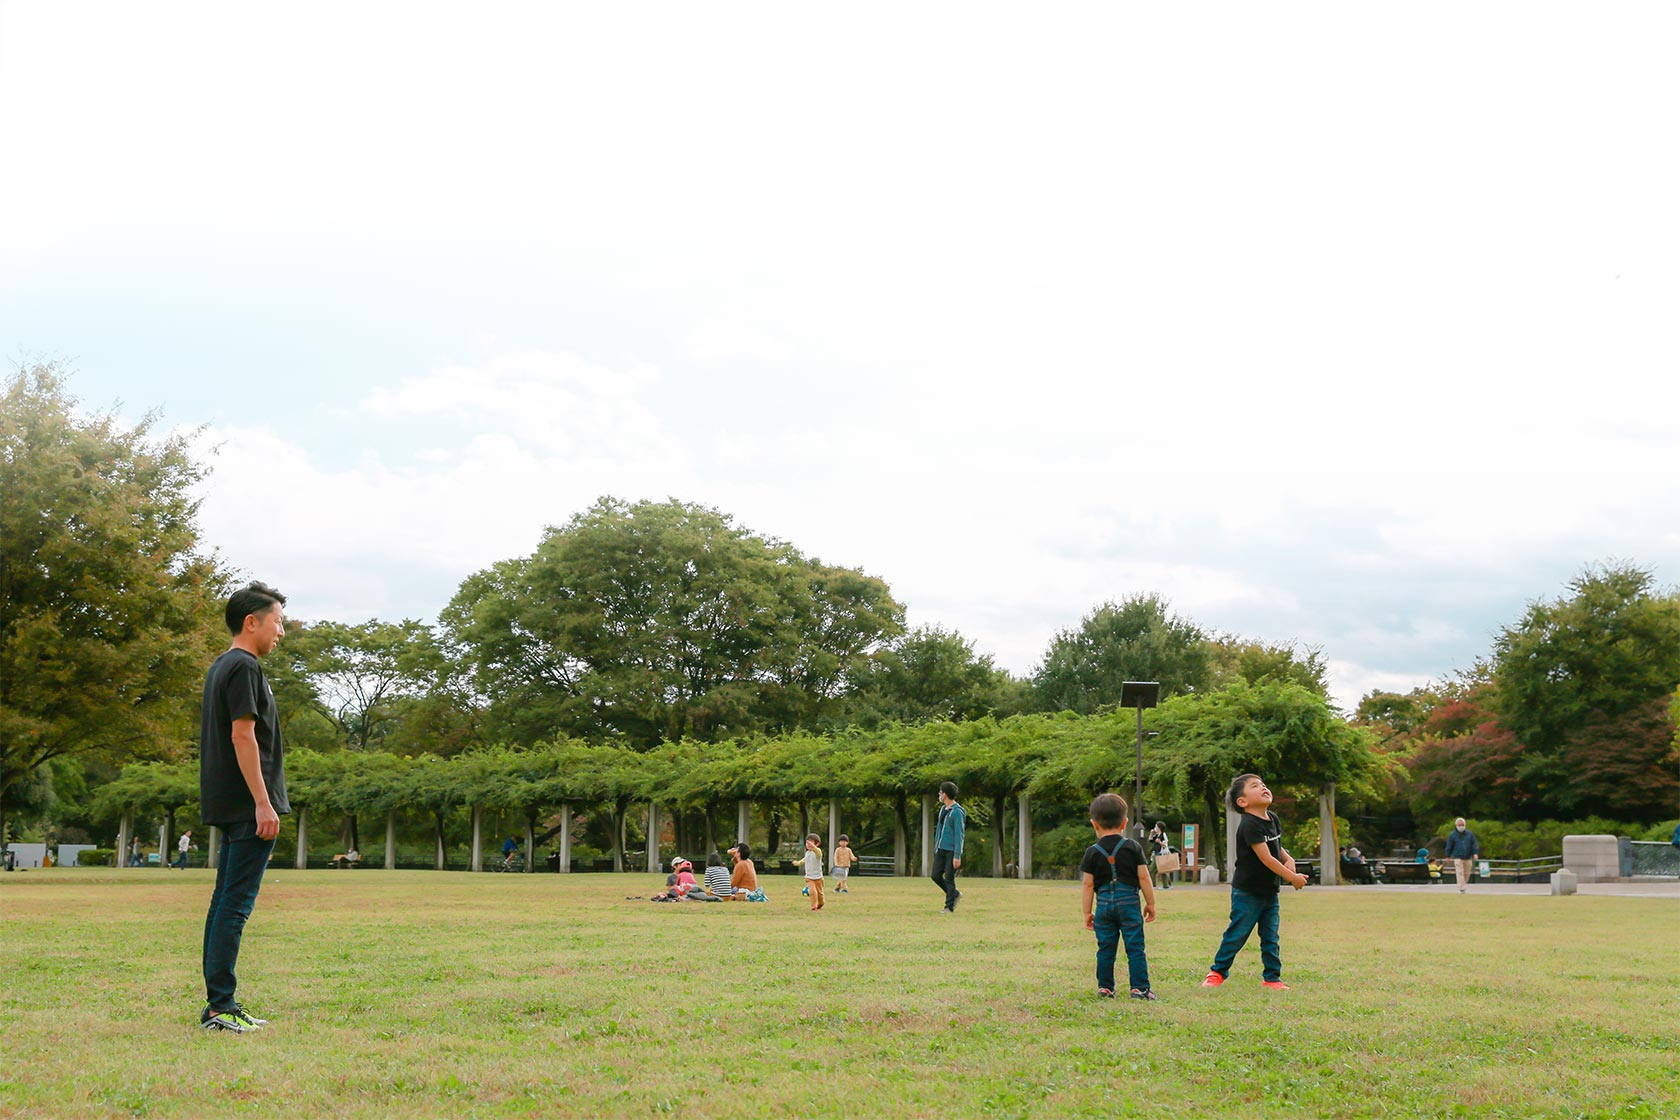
1631 888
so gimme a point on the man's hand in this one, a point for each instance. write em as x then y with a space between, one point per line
956 862
1297 881
268 822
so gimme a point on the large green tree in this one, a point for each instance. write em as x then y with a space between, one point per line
109 610
1135 639
1582 683
362 678
657 621
930 673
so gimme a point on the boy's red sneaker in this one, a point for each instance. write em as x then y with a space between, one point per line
1212 980
1275 985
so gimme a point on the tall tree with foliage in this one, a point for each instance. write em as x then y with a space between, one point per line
1254 661
928 674
1582 682
109 610
361 677
1136 639
657 621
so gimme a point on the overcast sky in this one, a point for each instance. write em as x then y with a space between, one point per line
1347 325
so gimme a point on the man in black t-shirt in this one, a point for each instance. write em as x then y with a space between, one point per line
242 790
1261 862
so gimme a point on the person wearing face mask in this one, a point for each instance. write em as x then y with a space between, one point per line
1462 848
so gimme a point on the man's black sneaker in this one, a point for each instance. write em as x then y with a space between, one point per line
224 1021
244 1016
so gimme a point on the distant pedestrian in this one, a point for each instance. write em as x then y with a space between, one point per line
242 791
1261 862
182 845
135 855
948 845
1462 849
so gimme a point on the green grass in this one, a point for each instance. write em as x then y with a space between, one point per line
425 994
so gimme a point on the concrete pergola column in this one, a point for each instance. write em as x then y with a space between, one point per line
653 836
565 837
1329 863
833 824
163 843
530 846
125 833
743 820
1232 819
1023 837
476 861
302 862
391 840
927 834
901 842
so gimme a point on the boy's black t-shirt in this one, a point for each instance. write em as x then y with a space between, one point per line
1127 860
236 688
1251 876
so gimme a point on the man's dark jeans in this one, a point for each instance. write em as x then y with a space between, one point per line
1248 911
945 876
239 874
1119 914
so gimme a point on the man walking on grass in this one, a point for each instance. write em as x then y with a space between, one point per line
242 791
948 844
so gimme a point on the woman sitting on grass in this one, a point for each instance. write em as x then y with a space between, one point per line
743 881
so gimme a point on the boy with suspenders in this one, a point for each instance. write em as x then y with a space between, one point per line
1116 873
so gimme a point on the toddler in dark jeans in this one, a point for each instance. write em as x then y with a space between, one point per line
1115 873
1261 863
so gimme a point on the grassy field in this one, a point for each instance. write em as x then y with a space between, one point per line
441 995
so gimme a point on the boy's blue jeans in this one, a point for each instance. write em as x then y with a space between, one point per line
1119 915
239 872
1248 911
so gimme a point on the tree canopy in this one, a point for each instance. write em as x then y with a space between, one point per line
663 621
1135 639
108 607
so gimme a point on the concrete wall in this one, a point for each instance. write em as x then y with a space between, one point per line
1593 859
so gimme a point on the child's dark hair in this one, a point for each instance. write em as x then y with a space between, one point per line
255 598
1237 784
844 839
812 838
714 859
1108 810
949 789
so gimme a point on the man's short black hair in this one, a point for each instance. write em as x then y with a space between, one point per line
744 848
1108 810
256 598
949 789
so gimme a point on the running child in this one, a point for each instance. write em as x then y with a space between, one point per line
1261 862
1115 873
814 870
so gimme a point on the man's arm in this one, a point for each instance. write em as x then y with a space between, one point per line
960 823
250 766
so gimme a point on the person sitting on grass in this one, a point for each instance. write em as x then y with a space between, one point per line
743 881
715 885
346 859
679 883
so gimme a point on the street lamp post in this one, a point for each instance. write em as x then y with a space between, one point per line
1139 695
